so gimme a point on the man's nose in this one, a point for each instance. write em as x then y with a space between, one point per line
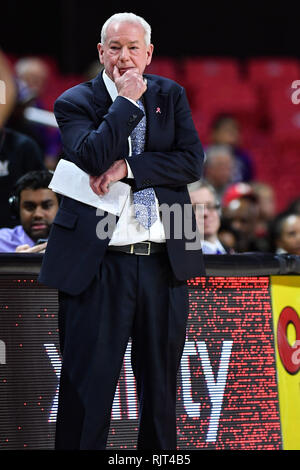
205 211
124 54
38 213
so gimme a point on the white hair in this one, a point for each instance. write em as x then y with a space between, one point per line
24 65
127 18
215 150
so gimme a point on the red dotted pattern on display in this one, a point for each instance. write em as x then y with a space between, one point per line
237 310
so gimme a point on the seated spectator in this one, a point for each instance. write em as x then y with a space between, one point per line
294 206
32 76
8 90
225 130
266 207
219 167
205 199
36 205
228 236
19 154
285 233
240 208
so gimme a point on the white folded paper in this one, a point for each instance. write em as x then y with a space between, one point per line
71 181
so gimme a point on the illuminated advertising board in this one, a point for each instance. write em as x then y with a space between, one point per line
227 396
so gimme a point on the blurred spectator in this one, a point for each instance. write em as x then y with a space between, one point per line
228 236
32 75
8 90
285 233
219 167
208 212
36 205
294 206
240 208
237 191
266 206
18 153
225 129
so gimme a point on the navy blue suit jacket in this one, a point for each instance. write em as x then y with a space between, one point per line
95 133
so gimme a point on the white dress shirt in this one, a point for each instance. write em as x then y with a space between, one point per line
128 230
212 248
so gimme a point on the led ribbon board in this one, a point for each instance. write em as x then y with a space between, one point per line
227 394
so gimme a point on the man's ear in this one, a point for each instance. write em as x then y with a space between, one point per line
149 53
100 52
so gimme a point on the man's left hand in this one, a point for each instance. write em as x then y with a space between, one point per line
100 184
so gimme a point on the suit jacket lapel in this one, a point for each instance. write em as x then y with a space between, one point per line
156 112
102 98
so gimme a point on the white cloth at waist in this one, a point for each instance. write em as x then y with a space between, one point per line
71 181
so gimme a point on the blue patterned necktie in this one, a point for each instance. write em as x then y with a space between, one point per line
144 200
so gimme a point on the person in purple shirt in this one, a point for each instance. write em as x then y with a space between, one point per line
225 130
36 206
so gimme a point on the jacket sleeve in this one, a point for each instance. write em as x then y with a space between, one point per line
91 148
180 166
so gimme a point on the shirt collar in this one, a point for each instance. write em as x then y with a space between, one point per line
215 246
110 86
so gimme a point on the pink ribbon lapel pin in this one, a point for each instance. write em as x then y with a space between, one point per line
158 111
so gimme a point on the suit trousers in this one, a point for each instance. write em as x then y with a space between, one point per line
133 296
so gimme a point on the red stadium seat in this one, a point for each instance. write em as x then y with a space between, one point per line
237 98
56 86
200 71
264 71
279 96
283 108
286 127
279 166
164 66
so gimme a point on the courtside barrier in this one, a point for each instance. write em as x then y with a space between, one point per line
239 377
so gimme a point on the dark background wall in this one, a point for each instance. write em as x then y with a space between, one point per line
70 29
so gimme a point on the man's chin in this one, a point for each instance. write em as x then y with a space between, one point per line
35 235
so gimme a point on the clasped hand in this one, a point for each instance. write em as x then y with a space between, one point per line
100 184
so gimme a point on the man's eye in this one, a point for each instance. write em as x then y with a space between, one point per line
47 205
29 207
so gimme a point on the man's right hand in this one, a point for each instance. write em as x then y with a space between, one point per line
100 184
34 249
131 84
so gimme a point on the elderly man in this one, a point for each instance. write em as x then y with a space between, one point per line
204 196
137 128
219 167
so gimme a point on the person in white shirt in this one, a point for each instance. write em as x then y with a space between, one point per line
204 197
